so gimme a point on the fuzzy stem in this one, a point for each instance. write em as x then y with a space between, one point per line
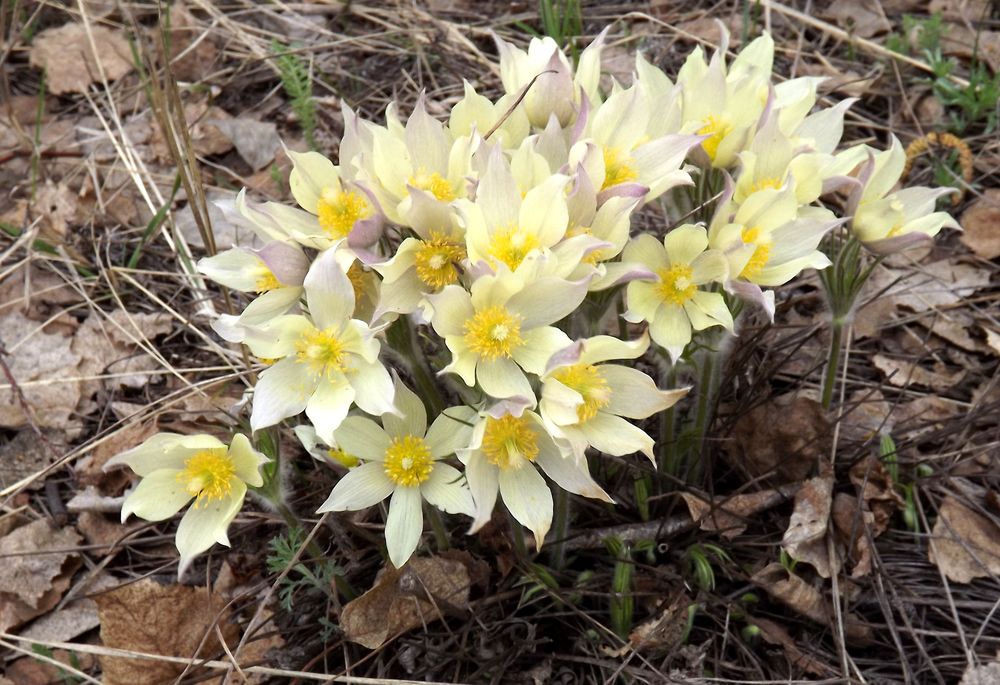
437 525
419 368
833 361
560 528
668 421
707 391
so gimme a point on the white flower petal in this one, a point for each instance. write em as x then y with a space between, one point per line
451 431
560 300
684 243
404 524
414 416
329 292
634 394
363 438
206 522
157 497
615 436
247 460
538 347
446 490
282 390
482 477
163 451
502 378
328 406
570 474
360 488
528 499
373 389
671 329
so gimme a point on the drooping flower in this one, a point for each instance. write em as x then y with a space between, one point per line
508 441
402 459
583 400
503 327
673 302
888 221
275 272
327 361
175 469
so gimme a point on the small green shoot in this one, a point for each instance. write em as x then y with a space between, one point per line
562 20
297 80
700 564
282 551
622 602
154 224
787 562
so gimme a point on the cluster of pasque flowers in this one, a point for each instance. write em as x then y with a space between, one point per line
503 231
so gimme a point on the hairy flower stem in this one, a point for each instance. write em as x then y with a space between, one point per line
833 361
437 525
406 344
668 420
560 529
708 389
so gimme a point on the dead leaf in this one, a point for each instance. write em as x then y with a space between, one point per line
400 600
708 28
192 53
206 137
35 292
75 618
928 286
964 544
727 515
36 570
805 539
32 671
37 362
981 224
25 455
863 18
839 80
877 492
227 234
159 619
960 10
851 525
984 674
662 633
257 142
787 450
800 596
66 56
867 414
55 207
90 471
776 634
902 373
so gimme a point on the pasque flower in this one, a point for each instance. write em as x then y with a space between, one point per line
402 460
178 468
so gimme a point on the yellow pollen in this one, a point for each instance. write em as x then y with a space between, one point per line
322 351
408 461
895 230
761 253
587 380
772 182
343 458
617 168
716 129
208 475
433 183
509 442
267 281
675 284
436 261
493 332
338 211
512 245
356 275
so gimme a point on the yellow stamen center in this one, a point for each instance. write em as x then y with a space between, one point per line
343 458
433 183
267 281
587 380
716 129
322 351
508 442
356 275
436 261
408 461
675 284
339 210
617 168
761 184
493 332
761 254
512 245
208 475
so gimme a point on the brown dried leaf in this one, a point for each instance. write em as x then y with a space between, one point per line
850 523
727 515
34 574
863 18
400 600
36 359
786 450
66 55
985 674
805 539
192 53
981 222
877 492
777 634
800 596
159 619
964 544
26 455
902 373
930 286
664 632
90 469
257 142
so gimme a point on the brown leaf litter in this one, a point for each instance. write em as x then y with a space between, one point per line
36 572
170 620
402 599
68 56
965 544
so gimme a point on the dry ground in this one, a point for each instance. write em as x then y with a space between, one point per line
108 174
